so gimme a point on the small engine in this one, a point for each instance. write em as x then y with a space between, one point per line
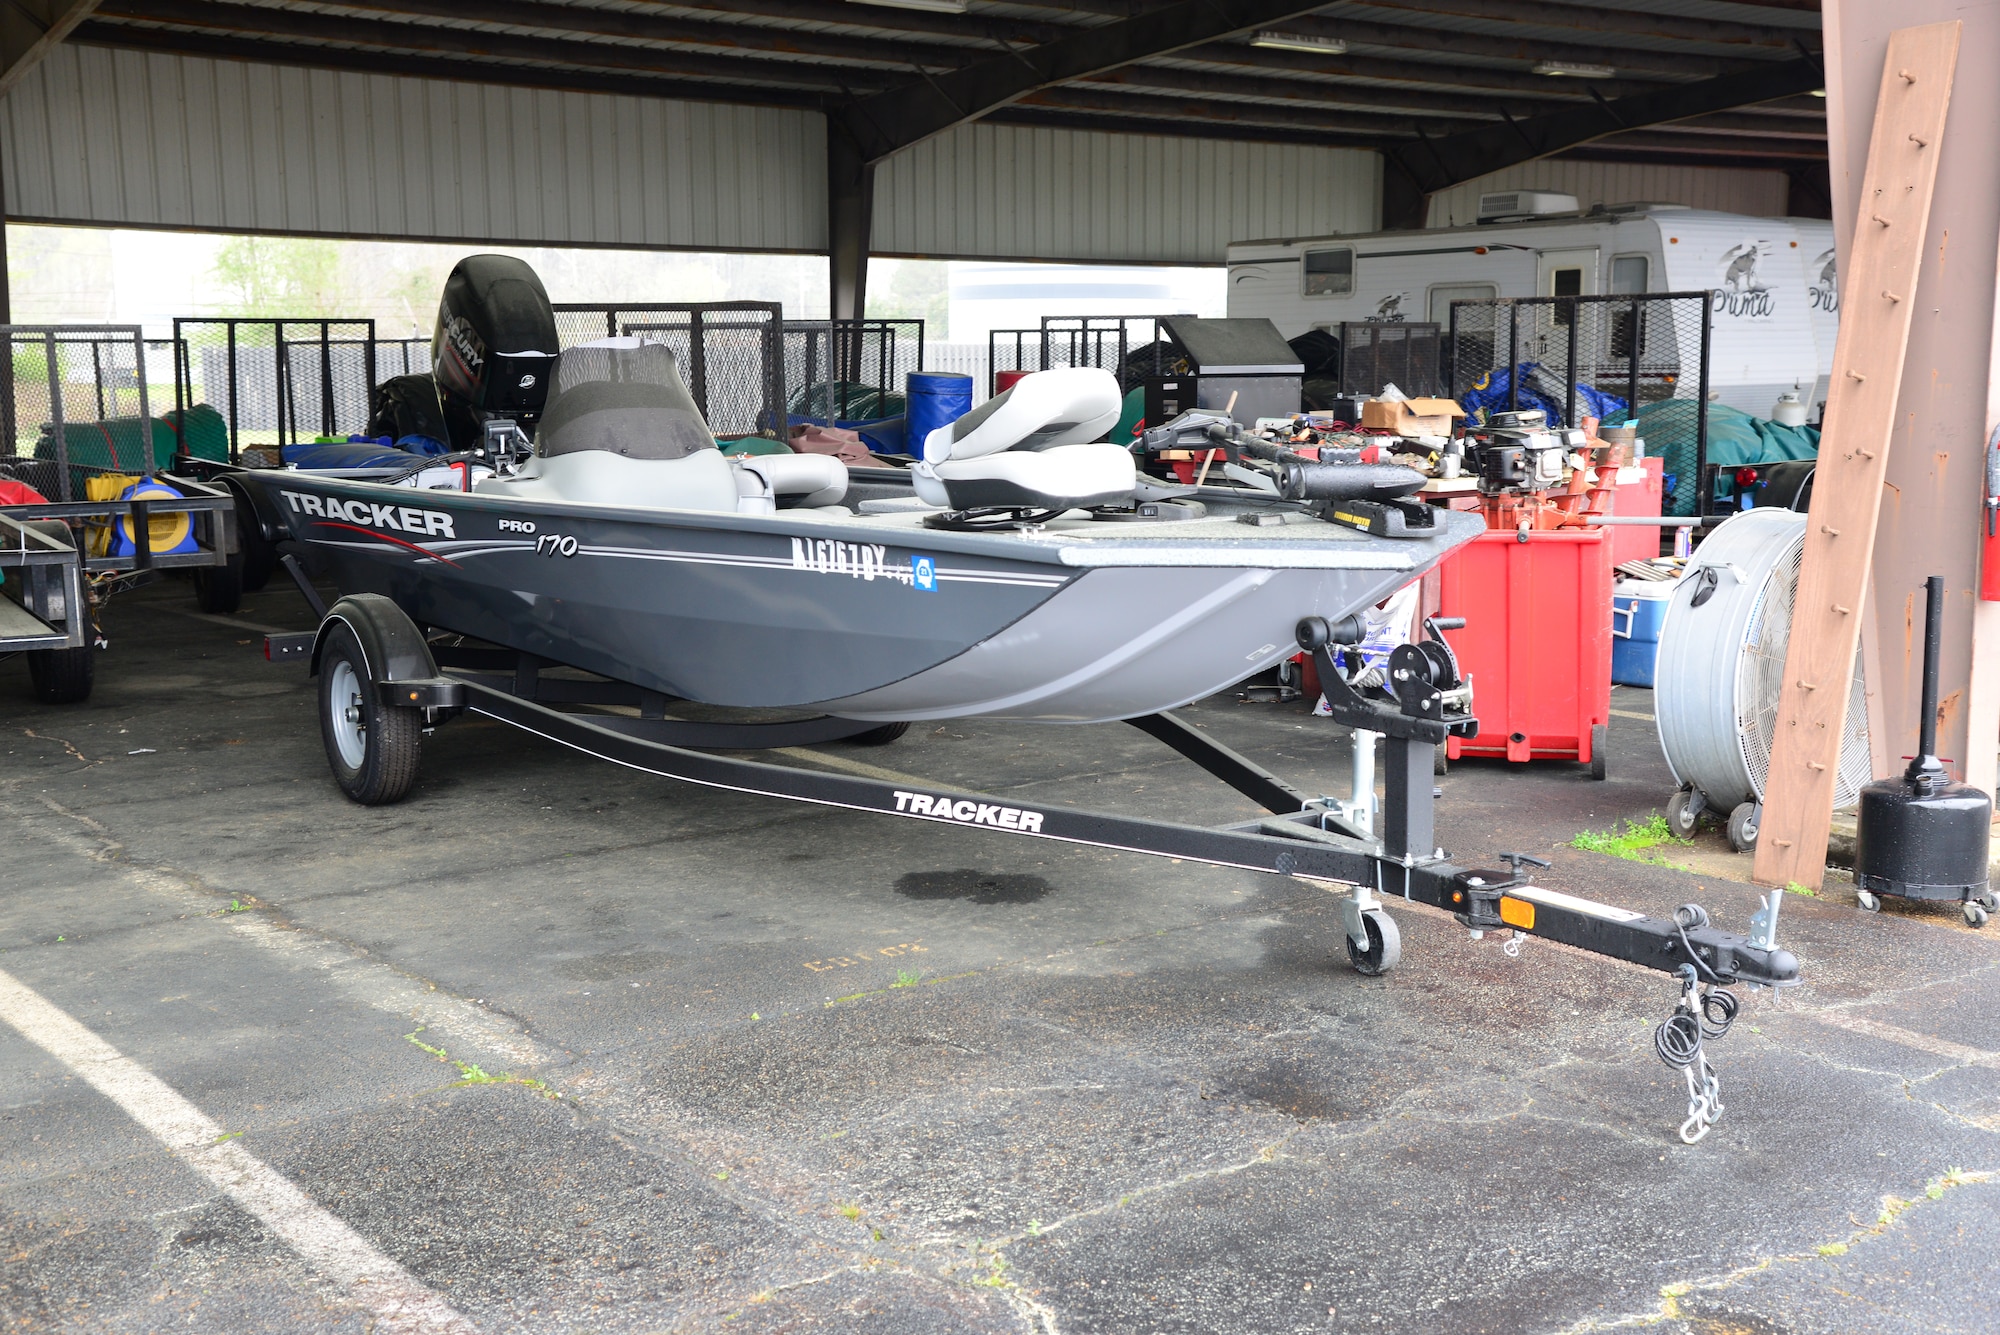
1518 452
494 350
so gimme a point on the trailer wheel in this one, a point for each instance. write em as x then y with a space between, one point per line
881 736
1743 824
1439 763
1600 736
372 748
219 589
1385 945
62 676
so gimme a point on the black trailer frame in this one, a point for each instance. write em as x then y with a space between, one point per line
441 676
50 590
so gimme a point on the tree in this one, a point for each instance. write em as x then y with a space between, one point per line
270 277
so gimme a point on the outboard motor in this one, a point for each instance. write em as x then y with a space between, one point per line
494 350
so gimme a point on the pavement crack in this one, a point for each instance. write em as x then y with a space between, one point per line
1892 1211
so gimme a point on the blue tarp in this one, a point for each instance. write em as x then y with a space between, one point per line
1540 389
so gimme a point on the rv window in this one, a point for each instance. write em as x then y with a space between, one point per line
1628 273
1565 282
1330 273
1444 294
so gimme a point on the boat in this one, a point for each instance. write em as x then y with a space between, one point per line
622 569
1020 571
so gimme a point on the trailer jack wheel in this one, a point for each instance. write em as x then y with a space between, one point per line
1385 945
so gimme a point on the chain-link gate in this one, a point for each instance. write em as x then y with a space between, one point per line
851 370
731 353
1375 355
74 404
1616 357
276 382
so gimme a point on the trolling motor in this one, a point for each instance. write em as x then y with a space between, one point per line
1923 836
1341 490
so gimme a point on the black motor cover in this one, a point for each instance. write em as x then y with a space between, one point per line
495 345
1922 839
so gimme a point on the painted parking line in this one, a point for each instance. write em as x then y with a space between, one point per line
399 1302
1631 713
1909 1038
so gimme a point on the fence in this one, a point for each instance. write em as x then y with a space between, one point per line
276 382
850 370
1131 347
401 356
75 403
731 353
1615 357
1374 355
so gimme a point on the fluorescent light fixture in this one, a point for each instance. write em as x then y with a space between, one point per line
1571 69
1293 41
934 6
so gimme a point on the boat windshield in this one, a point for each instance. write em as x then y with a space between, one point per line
622 396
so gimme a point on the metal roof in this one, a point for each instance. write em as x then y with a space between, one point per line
1440 86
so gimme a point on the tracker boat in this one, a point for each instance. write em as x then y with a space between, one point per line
1020 570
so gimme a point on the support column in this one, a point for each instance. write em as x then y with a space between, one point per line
850 207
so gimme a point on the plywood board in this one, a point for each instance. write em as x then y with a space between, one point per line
1878 290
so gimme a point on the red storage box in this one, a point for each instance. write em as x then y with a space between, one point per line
1639 497
1536 643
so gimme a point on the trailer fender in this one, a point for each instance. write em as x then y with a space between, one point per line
390 641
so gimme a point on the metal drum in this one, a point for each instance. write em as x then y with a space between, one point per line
1721 665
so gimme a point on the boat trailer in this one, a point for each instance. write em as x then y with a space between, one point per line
401 683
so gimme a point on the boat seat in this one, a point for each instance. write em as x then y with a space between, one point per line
620 429
1029 448
770 482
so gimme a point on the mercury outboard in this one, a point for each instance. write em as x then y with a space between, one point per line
493 352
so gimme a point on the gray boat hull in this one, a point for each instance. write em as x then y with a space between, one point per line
863 617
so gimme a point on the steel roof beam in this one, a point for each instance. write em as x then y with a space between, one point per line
1437 164
892 120
1168 110
187 42
1577 20
426 39
29 30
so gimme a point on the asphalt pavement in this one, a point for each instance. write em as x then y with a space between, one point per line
555 1046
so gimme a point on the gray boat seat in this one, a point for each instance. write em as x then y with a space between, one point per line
769 482
620 429
1028 448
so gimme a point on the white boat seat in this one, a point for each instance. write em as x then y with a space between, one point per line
768 482
1027 448
620 429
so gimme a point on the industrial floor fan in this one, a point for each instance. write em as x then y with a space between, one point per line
1720 667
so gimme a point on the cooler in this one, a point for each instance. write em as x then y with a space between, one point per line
1638 606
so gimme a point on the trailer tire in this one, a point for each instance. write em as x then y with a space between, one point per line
1385 945
62 676
881 736
219 589
372 748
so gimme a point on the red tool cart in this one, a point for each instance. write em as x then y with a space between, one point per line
1536 644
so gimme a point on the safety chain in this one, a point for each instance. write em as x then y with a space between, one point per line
1704 1011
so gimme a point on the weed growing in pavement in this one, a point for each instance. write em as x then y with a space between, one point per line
469 1073
1635 845
852 1212
1797 888
905 978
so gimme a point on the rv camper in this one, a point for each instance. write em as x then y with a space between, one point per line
1773 313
